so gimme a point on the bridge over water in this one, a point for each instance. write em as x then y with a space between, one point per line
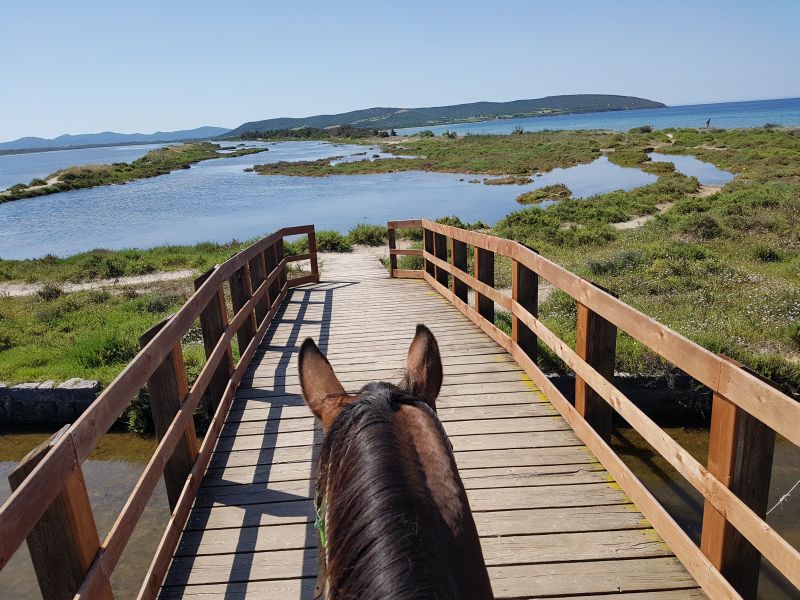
558 513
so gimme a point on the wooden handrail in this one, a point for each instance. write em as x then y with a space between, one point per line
741 388
23 509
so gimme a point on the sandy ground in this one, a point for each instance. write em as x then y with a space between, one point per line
51 181
29 289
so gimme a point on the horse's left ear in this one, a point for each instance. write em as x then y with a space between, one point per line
424 367
321 388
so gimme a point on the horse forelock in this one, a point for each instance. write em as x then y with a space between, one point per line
384 517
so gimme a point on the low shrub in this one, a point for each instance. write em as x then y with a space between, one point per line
766 253
102 348
557 191
616 263
701 226
332 241
49 292
368 235
642 129
426 133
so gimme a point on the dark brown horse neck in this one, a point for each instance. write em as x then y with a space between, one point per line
397 521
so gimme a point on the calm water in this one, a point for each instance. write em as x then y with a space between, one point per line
21 168
217 201
689 165
727 115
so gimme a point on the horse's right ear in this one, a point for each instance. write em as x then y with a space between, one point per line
321 388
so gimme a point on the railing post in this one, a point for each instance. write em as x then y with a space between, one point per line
312 250
484 272
391 233
213 321
596 343
739 455
269 260
258 273
440 252
279 254
427 235
458 250
168 388
525 290
64 543
241 292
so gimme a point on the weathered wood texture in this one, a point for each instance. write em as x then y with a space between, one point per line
64 542
551 521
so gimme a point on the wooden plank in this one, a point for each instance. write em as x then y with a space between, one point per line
392 251
428 245
590 577
241 292
440 251
458 250
258 274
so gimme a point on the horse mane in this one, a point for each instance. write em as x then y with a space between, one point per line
383 531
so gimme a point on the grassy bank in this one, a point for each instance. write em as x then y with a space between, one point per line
156 162
486 154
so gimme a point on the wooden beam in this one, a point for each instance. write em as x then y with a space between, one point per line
312 250
484 272
429 247
279 254
392 246
740 455
596 343
64 542
168 388
213 321
458 250
258 273
271 262
440 251
525 291
241 292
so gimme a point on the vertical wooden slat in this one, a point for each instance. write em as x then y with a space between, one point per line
458 251
525 290
168 388
269 259
258 273
392 246
312 250
484 272
740 455
213 321
429 248
440 252
596 344
279 254
241 292
64 542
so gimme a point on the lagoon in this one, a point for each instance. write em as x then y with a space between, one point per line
216 200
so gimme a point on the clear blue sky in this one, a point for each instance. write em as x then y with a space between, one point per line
88 66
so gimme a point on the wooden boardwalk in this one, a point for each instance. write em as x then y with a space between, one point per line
552 521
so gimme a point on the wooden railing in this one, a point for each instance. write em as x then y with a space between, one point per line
746 413
50 506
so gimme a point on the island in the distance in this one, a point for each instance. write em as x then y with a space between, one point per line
388 118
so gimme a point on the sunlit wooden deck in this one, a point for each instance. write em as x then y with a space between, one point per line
552 521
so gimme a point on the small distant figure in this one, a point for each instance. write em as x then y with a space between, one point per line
708 123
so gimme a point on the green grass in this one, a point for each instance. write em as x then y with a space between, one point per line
156 162
557 191
86 334
109 264
519 155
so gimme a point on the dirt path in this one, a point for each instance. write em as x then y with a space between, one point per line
29 289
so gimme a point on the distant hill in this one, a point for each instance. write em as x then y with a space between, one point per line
109 137
385 118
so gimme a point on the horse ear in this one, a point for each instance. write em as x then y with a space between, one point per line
321 388
424 367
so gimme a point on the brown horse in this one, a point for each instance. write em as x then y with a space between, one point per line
393 517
